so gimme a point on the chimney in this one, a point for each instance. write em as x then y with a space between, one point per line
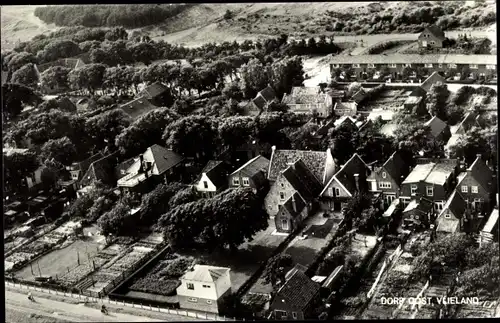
356 179
294 204
479 156
273 148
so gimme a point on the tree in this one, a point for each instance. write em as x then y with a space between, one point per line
18 60
412 138
90 77
476 141
59 48
192 136
304 138
55 77
235 131
436 100
344 141
253 78
353 88
144 52
26 75
61 150
156 203
15 96
106 126
119 220
228 14
186 195
285 74
275 269
232 91
16 167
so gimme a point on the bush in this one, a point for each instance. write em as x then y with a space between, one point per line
177 267
155 286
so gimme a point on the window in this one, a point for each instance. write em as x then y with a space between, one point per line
336 65
417 217
392 65
282 185
447 216
209 301
464 189
440 65
337 191
205 184
428 65
193 300
371 65
407 65
384 185
433 42
439 206
474 66
413 190
430 191
280 314
294 315
356 66
236 181
190 286
282 196
206 286
473 189
246 181
452 65
74 176
491 67
123 172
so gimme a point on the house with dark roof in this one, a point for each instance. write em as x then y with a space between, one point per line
137 107
477 187
261 102
74 173
452 218
320 163
435 180
387 179
307 100
156 165
155 93
101 170
431 37
85 104
251 174
414 104
213 179
434 78
439 129
297 298
350 178
204 288
295 178
291 214
345 108
418 213
66 105
359 96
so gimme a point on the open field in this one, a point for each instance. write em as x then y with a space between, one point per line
17 316
56 263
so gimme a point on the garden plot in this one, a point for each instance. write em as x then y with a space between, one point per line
389 99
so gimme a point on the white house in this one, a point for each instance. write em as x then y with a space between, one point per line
203 288
213 179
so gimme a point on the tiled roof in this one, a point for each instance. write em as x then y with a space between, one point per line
396 167
437 126
436 32
100 170
216 171
297 292
315 161
302 180
431 80
413 100
268 94
345 119
441 172
289 204
359 96
481 173
260 102
456 204
422 205
448 226
154 90
355 165
137 107
206 274
419 173
253 166
345 105
305 95
415 59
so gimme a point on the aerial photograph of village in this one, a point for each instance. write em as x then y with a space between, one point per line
250 161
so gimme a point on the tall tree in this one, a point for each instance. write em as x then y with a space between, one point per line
55 77
16 167
26 75
61 150
436 100
15 97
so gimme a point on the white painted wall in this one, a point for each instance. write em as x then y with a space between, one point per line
200 186
199 291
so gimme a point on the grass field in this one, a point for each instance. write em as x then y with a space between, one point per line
58 261
13 316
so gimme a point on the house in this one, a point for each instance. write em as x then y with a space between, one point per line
213 179
261 102
350 178
296 178
309 100
155 93
359 96
434 78
414 104
204 288
297 298
346 121
477 187
291 214
434 180
137 107
66 105
482 65
451 218
73 63
85 104
439 129
156 165
321 164
459 131
431 37
489 231
74 173
418 213
337 95
345 109
101 170
252 174
387 178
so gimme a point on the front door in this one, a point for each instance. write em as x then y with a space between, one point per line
284 224
424 43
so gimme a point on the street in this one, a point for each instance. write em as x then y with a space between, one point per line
60 311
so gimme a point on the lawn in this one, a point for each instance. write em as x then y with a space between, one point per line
12 316
389 99
56 263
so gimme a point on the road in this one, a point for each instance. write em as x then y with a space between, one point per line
68 312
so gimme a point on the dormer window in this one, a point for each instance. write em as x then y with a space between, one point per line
236 181
356 65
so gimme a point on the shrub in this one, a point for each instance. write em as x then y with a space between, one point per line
156 286
177 267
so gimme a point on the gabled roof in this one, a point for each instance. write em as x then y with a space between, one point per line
302 180
216 171
437 126
138 107
415 59
433 172
359 96
315 161
260 102
413 100
253 166
343 120
153 90
297 292
492 221
345 176
422 205
345 105
71 63
466 123
431 80
205 274
455 204
83 165
396 167
435 31
289 205
268 93
305 95
480 172
100 170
